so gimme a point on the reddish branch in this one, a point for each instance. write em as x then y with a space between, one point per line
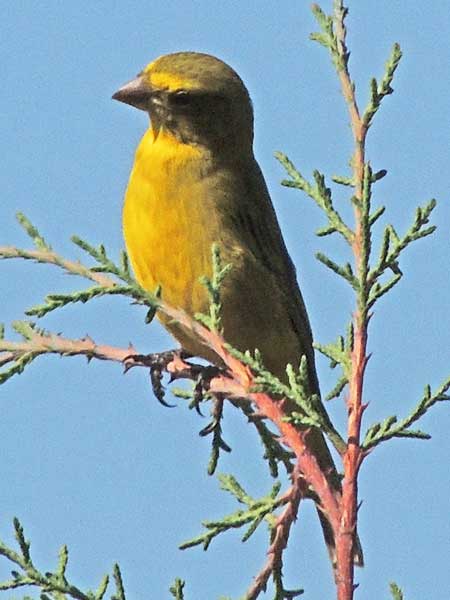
50 257
353 456
238 382
280 536
40 343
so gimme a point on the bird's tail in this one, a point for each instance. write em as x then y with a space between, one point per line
317 442
358 556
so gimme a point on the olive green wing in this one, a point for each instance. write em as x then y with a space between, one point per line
256 225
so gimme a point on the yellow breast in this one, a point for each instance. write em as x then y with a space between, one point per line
168 231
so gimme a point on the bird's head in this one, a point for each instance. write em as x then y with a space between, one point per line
195 97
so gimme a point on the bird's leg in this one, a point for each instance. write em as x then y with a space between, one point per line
174 362
202 374
157 362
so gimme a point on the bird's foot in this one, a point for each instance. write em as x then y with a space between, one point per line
202 375
157 363
174 362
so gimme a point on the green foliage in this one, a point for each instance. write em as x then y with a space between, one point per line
52 585
321 195
33 232
396 592
215 428
326 37
379 90
177 589
339 353
123 285
311 413
213 320
257 511
274 452
369 282
23 359
390 427
391 248
19 355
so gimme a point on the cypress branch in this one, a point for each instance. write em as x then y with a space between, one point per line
391 427
392 246
213 320
51 584
32 232
396 592
321 195
177 589
257 511
344 271
378 91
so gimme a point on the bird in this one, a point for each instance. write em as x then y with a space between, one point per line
195 182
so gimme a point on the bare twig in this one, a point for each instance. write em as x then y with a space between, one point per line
345 534
280 536
50 257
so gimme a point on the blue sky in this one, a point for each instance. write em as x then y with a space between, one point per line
88 457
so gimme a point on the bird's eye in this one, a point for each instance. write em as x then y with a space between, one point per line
181 98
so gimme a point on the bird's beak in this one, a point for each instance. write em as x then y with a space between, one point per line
137 93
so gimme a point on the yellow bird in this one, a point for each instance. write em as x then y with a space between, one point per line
195 181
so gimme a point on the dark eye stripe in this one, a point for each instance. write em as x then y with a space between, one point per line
184 97
181 98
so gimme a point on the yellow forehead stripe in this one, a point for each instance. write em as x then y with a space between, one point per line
166 81
170 82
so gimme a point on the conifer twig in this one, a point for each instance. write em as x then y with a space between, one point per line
396 592
238 383
279 539
52 584
361 248
177 589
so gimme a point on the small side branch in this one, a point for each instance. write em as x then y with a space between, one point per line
26 574
38 342
321 195
391 427
257 511
177 589
279 539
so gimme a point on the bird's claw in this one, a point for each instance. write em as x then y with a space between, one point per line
157 363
